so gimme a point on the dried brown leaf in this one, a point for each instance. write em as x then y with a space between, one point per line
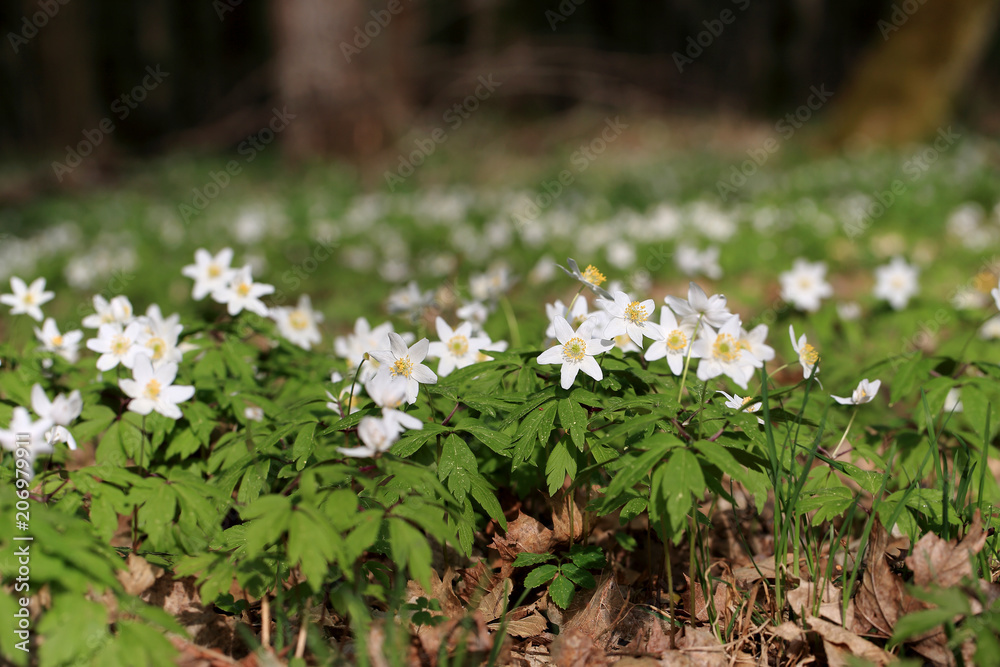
596 612
840 643
945 563
139 576
882 598
441 590
803 601
494 601
529 626
567 517
575 648
524 534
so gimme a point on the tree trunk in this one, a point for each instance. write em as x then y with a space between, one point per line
904 89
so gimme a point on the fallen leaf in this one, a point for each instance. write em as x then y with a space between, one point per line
882 598
526 627
139 576
804 598
567 518
525 534
946 563
441 590
575 648
596 612
839 644
496 599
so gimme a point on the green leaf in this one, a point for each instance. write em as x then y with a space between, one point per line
632 509
685 469
410 549
540 575
525 559
561 591
589 557
497 441
573 418
635 466
486 496
536 427
578 575
560 464
305 443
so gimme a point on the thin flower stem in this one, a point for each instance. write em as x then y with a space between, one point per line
508 311
569 308
687 360
350 398
844 437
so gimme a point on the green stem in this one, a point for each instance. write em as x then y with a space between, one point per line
508 311
844 437
687 360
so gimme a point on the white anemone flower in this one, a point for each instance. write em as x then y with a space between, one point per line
677 341
119 310
159 336
241 292
753 340
805 285
721 353
353 347
457 348
575 351
154 389
61 411
117 345
995 293
896 282
736 402
27 300
590 277
379 434
65 345
401 365
631 318
808 356
23 433
299 324
865 392
576 316
700 307
210 273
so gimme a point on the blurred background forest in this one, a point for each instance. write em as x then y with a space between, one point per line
359 74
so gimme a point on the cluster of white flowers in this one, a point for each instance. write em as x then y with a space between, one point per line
805 286
51 427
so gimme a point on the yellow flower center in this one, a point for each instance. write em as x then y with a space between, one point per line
593 276
726 348
676 340
243 289
120 345
805 283
214 271
809 354
862 394
158 346
402 367
575 349
152 389
298 319
635 312
746 400
57 340
984 281
459 345
29 298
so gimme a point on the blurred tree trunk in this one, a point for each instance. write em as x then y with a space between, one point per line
339 72
904 89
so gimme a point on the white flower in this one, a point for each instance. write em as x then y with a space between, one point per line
353 347
210 274
699 306
577 316
299 324
409 300
808 356
753 340
575 351
475 313
159 336
119 310
26 434
805 284
896 282
457 348
591 277
491 285
630 317
254 413
675 344
722 354
692 262
865 392
27 300
117 345
241 292
337 403
61 412
952 402
153 389
737 403
65 345
849 310
995 293
990 329
380 434
401 365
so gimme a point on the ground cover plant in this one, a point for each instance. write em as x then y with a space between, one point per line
643 418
